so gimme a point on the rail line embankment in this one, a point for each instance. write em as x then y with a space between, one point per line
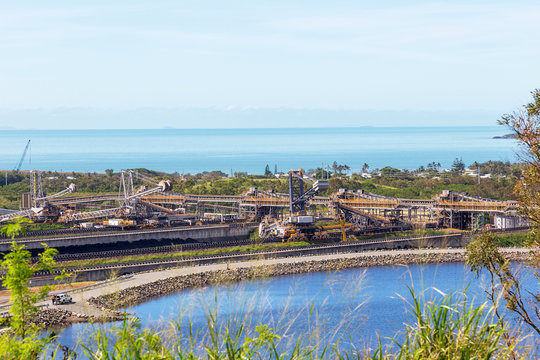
98 303
102 272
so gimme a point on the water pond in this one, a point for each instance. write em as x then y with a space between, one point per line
353 307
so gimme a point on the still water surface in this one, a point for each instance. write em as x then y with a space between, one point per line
354 307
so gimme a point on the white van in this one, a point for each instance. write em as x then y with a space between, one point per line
61 299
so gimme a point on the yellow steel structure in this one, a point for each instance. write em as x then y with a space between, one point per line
354 202
342 224
479 206
381 207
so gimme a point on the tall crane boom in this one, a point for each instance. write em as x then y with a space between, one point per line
22 157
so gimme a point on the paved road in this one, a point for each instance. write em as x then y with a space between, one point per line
82 307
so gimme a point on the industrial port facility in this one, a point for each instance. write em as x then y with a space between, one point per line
147 217
152 204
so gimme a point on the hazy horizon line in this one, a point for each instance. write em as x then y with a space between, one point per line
8 128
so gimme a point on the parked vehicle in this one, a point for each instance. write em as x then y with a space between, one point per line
60 299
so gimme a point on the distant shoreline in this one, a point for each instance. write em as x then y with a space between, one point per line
506 136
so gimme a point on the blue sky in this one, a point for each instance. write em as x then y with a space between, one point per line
120 63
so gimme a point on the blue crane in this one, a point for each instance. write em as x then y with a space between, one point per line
23 156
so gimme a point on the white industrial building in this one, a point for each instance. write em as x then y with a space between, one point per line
509 221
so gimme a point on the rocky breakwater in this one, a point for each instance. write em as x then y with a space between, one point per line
58 318
138 294
53 318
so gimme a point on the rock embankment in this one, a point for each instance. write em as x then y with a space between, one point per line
58 317
55 318
138 294
52 318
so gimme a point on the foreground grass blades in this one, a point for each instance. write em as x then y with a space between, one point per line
443 327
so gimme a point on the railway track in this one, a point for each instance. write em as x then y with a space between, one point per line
152 250
53 232
123 232
199 246
73 231
341 247
169 248
276 253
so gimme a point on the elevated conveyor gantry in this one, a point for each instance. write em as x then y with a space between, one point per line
129 200
298 197
446 209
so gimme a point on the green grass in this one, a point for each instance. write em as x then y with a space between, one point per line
426 232
178 255
453 327
442 327
254 235
44 226
512 240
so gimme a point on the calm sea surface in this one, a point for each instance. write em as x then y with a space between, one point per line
353 307
251 150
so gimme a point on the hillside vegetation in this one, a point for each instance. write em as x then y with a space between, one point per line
387 181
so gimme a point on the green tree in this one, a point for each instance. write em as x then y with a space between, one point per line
321 173
340 168
15 228
365 168
240 174
19 271
335 166
18 268
483 254
526 126
388 170
109 172
434 166
267 171
458 165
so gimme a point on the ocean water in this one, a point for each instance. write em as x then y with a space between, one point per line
354 307
250 150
